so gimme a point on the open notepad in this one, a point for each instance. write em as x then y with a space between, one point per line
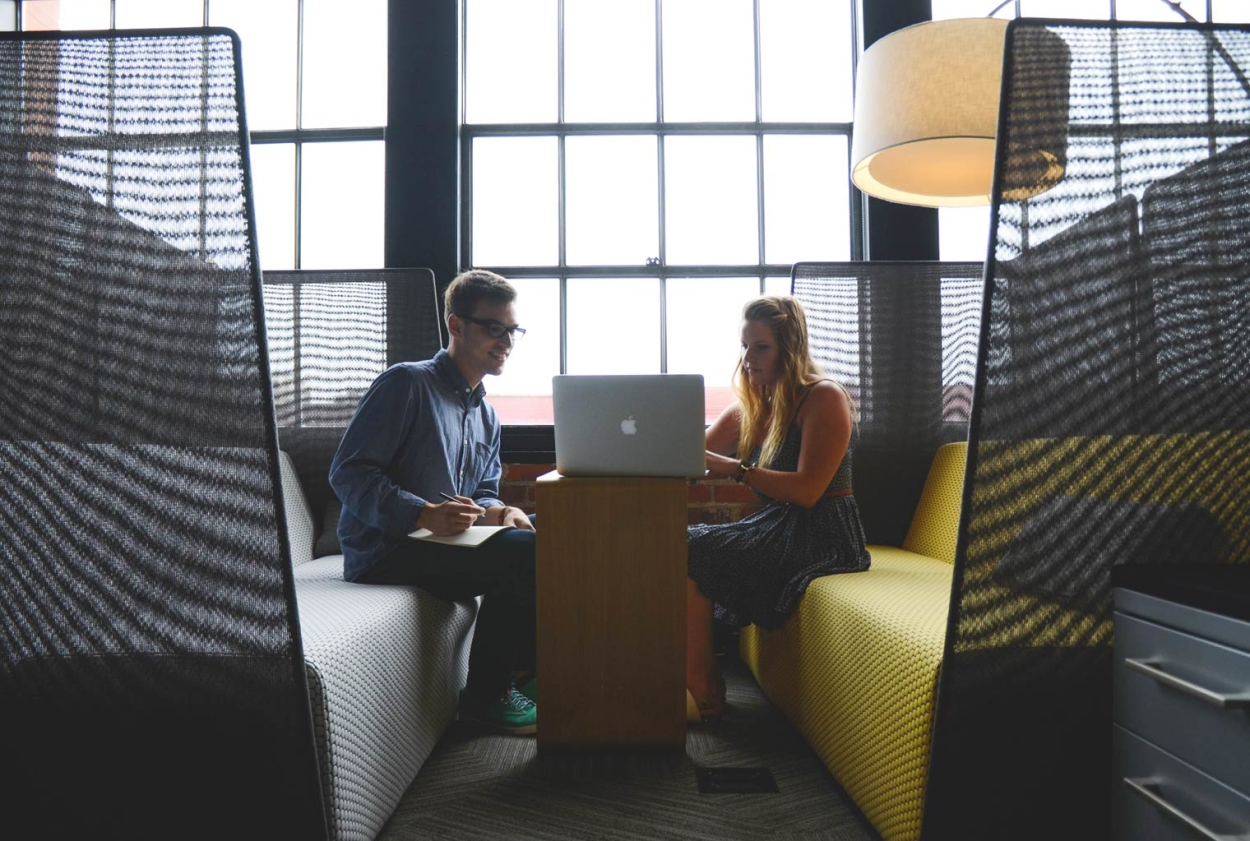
473 536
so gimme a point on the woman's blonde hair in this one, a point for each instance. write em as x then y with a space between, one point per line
785 319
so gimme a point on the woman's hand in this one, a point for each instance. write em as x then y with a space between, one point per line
719 465
444 518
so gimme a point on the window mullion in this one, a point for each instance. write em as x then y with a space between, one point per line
663 321
759 138
564 328
660 192
659 137
561 151
299 125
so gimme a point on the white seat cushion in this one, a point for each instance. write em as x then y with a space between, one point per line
300 530
385 666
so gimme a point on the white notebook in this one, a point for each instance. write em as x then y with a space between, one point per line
472 536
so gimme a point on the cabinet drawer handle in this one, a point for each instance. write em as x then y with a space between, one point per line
1220 699
1144 786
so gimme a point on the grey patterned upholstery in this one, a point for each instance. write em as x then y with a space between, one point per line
301 530
385 665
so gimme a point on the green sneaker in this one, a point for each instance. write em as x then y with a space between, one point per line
530 689
513 713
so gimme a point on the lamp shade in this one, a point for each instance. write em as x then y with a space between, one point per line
926 116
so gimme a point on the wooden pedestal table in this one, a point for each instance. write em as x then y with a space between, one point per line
611 612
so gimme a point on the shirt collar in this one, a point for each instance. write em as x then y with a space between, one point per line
451 375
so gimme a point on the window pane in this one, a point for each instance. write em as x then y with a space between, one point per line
1084 9
65 14
522 394
1155 10
948 9
150 14
709 60
273 192
807 214
777 286
269 32
961 323
805 60
704 320
612 209
963 233
614 325
710 190
510 61
344 64
609 61
341 205
1230 11
515 203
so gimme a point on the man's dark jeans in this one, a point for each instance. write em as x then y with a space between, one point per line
500 570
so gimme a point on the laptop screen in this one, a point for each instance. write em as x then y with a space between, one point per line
629 425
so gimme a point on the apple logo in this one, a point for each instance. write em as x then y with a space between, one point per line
629 426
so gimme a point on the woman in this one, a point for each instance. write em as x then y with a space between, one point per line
787 437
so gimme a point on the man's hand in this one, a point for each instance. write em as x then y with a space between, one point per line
516 518
444 518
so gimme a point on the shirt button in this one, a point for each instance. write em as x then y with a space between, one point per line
466 391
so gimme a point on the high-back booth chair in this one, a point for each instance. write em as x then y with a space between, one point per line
331 333
151 678
1111 413
902 338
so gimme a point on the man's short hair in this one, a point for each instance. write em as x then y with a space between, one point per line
470 288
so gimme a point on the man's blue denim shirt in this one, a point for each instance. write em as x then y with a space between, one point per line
418 430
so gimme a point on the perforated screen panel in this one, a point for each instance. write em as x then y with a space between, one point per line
1109 423
151 676
902 338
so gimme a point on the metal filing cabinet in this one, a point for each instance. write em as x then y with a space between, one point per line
1181 734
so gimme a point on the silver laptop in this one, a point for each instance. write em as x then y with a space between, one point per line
629 425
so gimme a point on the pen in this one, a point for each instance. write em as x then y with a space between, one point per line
448 497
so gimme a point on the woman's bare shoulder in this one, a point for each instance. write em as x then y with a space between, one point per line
826 396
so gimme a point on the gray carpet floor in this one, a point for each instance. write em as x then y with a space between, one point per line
480 785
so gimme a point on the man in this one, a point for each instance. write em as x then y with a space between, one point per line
423 430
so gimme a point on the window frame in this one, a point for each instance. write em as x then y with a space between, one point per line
423 214
296 136
660 130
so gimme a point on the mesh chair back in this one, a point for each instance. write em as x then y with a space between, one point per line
151 675
331 333
1111 414
902 338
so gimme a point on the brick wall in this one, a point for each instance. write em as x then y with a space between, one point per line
707 500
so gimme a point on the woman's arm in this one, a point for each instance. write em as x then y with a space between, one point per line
825 424
722 435
722 439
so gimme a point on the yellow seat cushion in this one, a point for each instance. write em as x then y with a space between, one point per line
855 668
934 528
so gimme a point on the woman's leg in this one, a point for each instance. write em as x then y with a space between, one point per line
702 673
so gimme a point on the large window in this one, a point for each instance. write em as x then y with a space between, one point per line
315 75
964 232
642 168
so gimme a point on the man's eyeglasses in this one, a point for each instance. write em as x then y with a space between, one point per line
495 329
